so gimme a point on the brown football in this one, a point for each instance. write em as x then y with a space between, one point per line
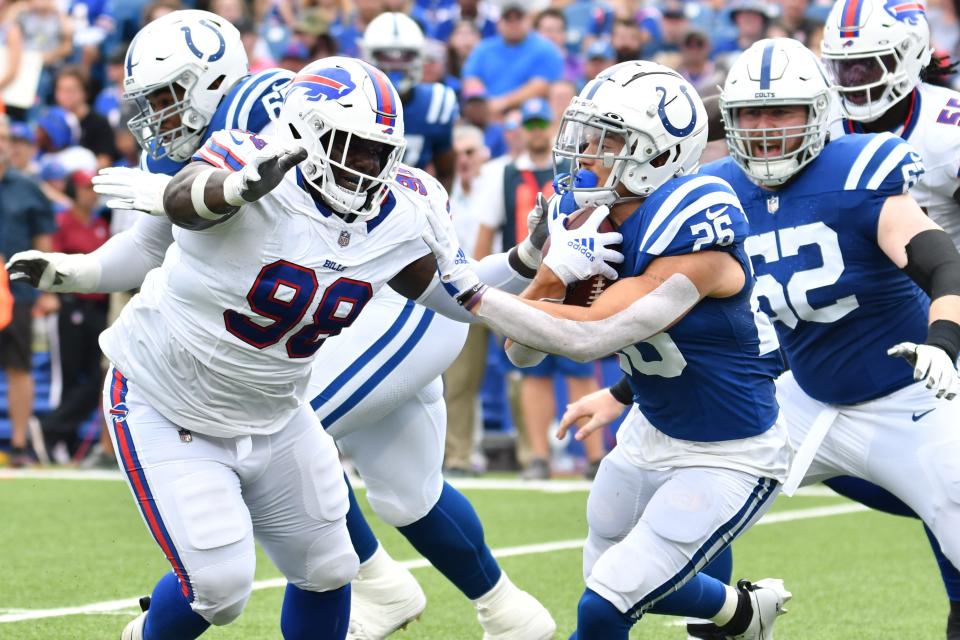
585 292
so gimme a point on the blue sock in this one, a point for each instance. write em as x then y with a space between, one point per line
312 615
450 536
170 615
949 573
721 567
598 619
701 597
361 536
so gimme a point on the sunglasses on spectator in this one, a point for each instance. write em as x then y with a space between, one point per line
536 123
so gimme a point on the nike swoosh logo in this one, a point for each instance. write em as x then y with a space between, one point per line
711 215
916 416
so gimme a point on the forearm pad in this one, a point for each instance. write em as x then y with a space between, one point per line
589 340
934 263
946 335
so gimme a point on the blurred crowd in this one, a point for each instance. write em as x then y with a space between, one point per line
512 66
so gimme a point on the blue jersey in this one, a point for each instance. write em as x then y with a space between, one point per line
710 376
250 105
428 123
837 301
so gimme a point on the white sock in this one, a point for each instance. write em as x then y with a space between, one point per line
503 586
729 607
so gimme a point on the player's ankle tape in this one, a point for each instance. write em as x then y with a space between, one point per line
741 617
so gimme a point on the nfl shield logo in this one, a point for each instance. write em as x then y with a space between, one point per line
344 238
773 204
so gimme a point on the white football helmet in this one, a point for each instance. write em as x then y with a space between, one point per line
337 104
393 42
775 72
643 120
195 55
875 50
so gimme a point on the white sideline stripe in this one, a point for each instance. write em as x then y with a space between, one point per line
470 484
113 606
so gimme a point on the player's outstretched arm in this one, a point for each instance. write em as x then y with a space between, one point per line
927 254
200 196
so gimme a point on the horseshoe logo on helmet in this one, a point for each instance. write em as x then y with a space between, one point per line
193 48
685 130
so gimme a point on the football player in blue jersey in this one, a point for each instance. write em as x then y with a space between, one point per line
852 272
703 453
364 415
394 43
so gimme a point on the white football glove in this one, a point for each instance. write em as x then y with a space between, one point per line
932 364
581 253
129 188
56 272
456 274
262 173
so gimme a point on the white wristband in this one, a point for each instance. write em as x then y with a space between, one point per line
196 196
232 186
529 254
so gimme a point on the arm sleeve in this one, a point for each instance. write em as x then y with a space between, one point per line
126 258
494 270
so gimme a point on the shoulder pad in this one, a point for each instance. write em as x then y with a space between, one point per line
694 213
879 162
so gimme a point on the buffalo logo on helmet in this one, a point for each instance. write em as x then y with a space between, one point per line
323 84
905 10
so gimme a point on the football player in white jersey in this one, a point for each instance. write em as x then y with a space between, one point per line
351 373
371 394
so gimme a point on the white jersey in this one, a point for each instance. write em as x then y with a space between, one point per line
222 336
932 127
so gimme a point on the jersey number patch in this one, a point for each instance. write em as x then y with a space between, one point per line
790 304
281 295
670 365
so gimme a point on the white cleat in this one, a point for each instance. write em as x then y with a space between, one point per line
134 629
509 613
767 598
384 597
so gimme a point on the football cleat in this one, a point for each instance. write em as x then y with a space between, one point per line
134 629
384 598
509 613
766 598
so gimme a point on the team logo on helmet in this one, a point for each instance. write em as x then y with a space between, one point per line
681 131
905 10
323 84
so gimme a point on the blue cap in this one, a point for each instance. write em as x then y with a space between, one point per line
22 131
535 109
600 49
61 127
51 169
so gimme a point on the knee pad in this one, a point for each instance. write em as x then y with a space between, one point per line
683 511
329 566
221 591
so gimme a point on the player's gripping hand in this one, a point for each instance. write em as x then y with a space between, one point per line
581 253
128 188
932 364
599 408
456 275
56 272
262 173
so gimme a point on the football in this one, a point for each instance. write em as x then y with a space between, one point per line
585 292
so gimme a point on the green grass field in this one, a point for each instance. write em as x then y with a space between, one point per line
68 544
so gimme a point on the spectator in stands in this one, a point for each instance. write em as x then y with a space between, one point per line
673 25
504 209
158 9
27 220
796 23
464 37
23 149
52 179
463 378
257 52
598 57
552 24
107 103
58 134
233 10
751 18
441 20
11 39
695 64
96 134
92 26
515 65
628 39
475 110
349 33
81 319
559 97
47 30
588 20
